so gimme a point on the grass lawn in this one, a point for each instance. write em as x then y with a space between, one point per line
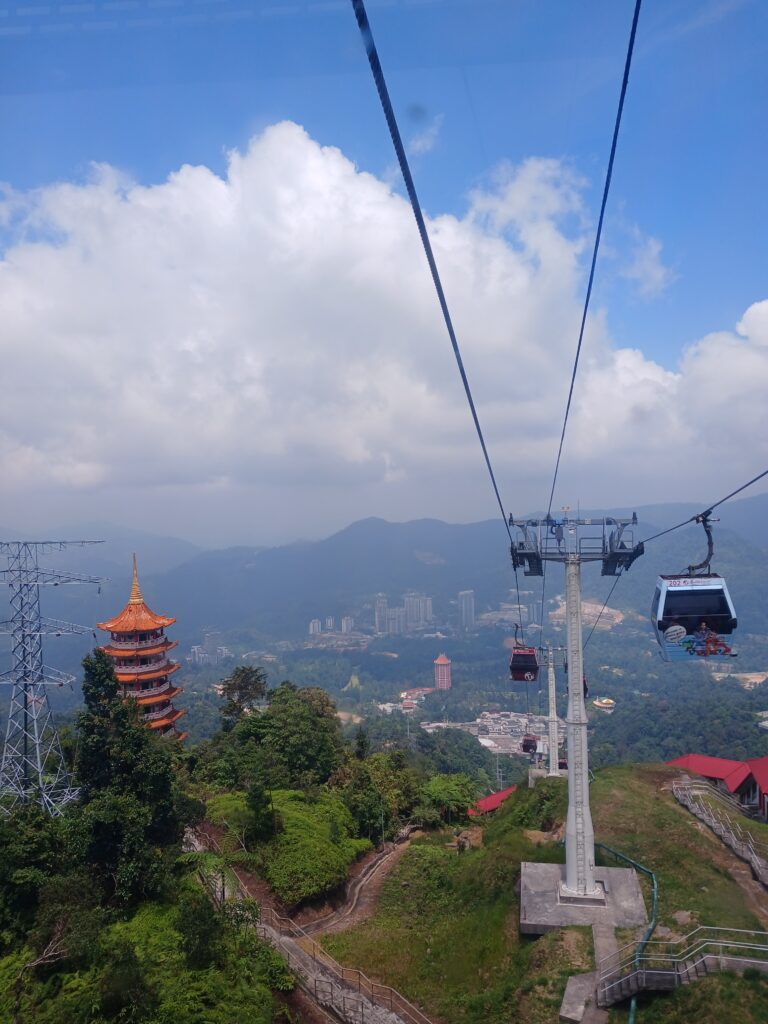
633 815
446 930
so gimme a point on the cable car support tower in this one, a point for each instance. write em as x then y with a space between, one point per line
562 540
32 768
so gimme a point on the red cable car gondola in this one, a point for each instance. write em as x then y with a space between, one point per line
530 744
524 664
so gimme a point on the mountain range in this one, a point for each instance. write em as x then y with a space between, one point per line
268 593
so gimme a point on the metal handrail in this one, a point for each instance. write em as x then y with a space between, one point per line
741 840
382 995
674 950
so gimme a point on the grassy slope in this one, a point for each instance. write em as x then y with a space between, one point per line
633 814
446 934
446 931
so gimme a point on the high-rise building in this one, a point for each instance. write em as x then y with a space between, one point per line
418 610
395 620
199 655
347 624
139 649
315 627
442 672
330 624
210 642
380 611
467 610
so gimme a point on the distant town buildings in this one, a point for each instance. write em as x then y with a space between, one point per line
467 610
380 613
396 621
442 672
315 627
414 614
210 652
330 623
418 610
347 624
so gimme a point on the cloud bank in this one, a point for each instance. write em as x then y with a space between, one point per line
262 355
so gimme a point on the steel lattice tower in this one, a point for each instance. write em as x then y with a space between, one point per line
559 540
32 766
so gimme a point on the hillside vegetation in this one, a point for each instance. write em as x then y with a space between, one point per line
446 930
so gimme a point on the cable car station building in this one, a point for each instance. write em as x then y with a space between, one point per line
139 650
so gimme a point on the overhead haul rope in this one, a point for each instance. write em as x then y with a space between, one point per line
598 234
397 142
707 511
693 519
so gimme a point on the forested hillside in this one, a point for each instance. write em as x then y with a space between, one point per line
108 914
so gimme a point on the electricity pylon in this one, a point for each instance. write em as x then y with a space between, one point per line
32 767
559 540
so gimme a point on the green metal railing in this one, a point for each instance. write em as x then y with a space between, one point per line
618 855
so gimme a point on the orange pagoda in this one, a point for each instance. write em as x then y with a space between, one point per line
139 650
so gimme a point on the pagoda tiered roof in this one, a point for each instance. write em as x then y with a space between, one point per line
137 616
144 652
127 675
154 698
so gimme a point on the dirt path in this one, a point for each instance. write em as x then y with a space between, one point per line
362 894
356 902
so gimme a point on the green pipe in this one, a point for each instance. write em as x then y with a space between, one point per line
651 925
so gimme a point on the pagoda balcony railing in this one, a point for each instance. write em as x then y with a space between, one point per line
156 691
153 666
136 645
152 715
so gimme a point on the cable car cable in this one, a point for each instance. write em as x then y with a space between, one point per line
397 142
606 189
700 515
605 605
590 281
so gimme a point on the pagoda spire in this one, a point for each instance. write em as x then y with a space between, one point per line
135 597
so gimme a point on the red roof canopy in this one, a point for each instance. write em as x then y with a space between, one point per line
709 767
490 803
732 773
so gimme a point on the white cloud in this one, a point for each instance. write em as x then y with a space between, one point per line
262 355
646 269
425 141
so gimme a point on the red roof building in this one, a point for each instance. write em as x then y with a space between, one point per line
442 672
491 802
746 780
139 650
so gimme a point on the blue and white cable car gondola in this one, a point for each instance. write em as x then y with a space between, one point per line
692 613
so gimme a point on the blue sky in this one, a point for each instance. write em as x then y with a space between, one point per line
149 85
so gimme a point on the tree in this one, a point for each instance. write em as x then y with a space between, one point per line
362 743
450 795
246 685
129 818
201 928
259 803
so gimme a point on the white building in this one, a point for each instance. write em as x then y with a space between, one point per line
467 610
315 627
